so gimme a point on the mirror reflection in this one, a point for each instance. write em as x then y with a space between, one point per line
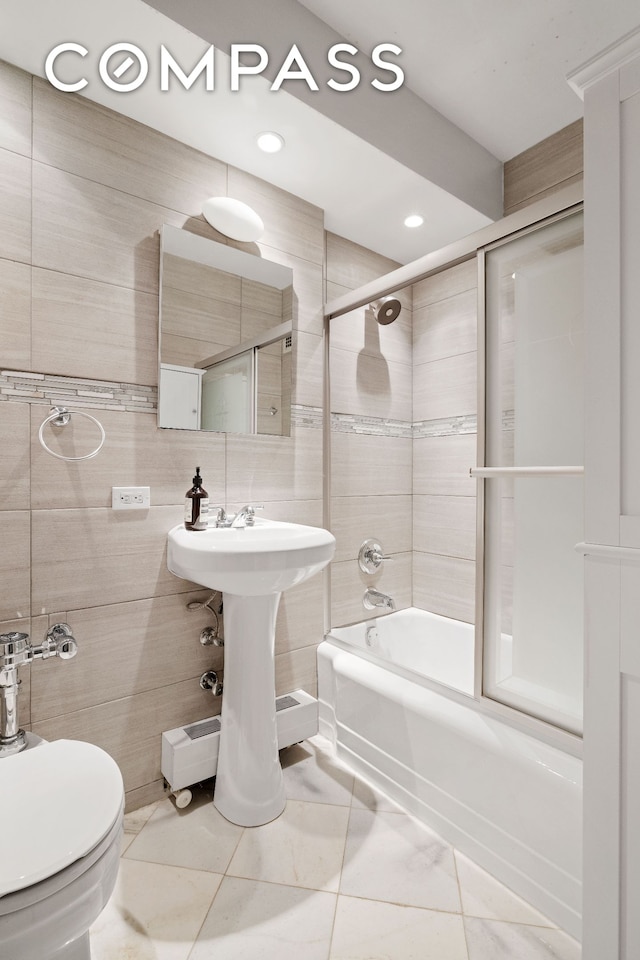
225 338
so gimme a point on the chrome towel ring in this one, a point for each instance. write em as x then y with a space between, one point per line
60 416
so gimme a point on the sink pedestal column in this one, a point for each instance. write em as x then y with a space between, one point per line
249 786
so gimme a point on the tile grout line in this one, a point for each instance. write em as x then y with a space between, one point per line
462 912
213 899
338 894
344 851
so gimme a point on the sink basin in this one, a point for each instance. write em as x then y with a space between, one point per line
251 566
249 561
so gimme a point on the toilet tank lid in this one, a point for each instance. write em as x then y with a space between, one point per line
57 801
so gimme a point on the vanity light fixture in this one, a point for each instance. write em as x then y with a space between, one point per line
415 220
270 142
233 218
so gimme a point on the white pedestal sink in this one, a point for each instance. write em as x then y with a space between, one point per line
252 566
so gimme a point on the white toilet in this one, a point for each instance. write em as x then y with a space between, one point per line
61 812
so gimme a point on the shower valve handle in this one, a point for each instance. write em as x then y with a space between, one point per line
371 556
379 557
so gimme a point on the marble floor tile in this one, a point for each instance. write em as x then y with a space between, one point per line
304 847
494 940
134 822
311 773
484 896
366 930
155 913
392 857
343 874
250 919
197 837
367 797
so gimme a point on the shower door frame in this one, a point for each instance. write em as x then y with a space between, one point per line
570 741
563 203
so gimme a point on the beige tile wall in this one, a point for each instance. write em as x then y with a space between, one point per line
544 168
415 495
444 386
371 485
205 310
83 194
200 317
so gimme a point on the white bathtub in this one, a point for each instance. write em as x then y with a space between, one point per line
509 801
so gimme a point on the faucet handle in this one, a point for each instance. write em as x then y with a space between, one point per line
251 512
247 515
371 555
220 515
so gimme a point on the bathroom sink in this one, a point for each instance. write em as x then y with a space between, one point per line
251 565
265 558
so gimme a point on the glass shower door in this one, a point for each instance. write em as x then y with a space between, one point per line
228 395
533 513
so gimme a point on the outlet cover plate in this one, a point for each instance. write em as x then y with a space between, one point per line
130 498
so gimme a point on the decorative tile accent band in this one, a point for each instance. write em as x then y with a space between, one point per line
25 387
302 416
446 427
371 426
456 426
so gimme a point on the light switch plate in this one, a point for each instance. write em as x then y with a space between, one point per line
130 498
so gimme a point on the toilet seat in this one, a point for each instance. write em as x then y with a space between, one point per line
58 801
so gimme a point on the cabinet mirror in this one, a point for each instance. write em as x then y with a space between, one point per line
225 338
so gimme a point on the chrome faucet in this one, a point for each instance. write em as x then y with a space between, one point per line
15 650
373 600
246 517
243 518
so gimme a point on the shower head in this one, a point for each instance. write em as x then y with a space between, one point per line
386 310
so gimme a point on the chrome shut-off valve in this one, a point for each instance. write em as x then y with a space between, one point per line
16 651
59 642
209 681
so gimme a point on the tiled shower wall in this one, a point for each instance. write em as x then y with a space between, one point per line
444 444
371 455
403 436
83 193
429 483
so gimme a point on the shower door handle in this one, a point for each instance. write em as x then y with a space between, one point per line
488 472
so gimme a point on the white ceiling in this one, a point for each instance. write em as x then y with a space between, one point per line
496 68
494 72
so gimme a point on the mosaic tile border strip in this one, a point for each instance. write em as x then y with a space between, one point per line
303 416
371 426
24 387
379 427
446 427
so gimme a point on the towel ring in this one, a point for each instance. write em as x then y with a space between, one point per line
60 416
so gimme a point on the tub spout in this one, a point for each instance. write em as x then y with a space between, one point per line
374 600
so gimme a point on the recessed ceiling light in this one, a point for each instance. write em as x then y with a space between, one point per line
415 220
270 142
